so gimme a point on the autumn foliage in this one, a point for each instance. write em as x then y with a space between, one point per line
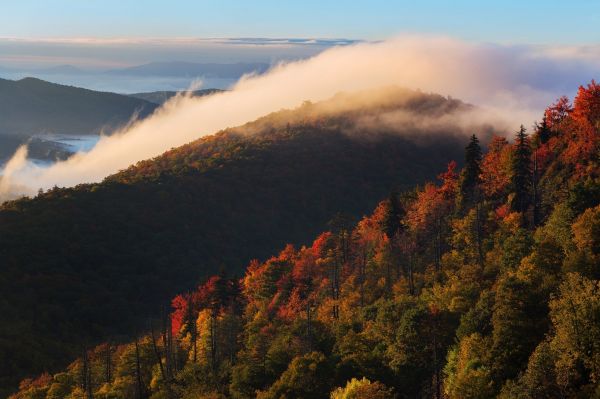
428 296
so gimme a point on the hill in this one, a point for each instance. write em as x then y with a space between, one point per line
160 97
32 106
86 263
484 284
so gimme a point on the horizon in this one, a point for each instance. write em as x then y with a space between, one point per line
509 21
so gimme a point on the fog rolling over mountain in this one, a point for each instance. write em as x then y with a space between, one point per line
32 107
98 259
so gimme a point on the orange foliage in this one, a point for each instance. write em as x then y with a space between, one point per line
449 181
587 104
430 206
558 112
495 167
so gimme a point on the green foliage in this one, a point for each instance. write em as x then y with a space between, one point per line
362 389
467 371
307 377
521 172
471 175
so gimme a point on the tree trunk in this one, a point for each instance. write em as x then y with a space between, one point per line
138 372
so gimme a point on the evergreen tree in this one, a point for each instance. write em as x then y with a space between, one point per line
521 172
543 131
471 174
391 223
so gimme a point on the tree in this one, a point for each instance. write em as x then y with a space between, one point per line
521 172
587 104
394 212
362 389
539 380
558 112
542 130
515 329
471 174
495 169
467 373
575 315
307 377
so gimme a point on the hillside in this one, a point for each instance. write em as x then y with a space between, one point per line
160 97
484 284
91 262
31 106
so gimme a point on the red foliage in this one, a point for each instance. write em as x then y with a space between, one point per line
587 104
216 294
42 381
558 112
495 167
449 181
502 212
321 244
431 205
179 304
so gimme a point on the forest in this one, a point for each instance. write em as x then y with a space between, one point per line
84 264
484 283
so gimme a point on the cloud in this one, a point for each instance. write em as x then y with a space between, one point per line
509 83
98 53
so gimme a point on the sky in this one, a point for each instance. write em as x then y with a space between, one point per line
511 58
514 21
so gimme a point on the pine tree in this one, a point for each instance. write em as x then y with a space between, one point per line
471 174
543 130
521 172
391 224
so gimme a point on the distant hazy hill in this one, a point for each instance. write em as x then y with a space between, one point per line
191 69
32 106
85 263
159 97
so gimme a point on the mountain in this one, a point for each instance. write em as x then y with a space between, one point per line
61 70
32 106
192 69
86 263
160 97
485 284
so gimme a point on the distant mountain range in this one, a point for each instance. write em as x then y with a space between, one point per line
160 97
164 69
191 69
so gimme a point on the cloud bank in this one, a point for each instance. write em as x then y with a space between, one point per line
513 83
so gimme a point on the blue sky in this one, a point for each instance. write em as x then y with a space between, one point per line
508 21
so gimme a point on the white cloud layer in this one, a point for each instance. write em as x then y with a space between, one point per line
513 83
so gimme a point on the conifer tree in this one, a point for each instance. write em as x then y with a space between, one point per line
471 174
521 172
543 130
391 224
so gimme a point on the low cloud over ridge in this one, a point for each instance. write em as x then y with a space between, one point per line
511 84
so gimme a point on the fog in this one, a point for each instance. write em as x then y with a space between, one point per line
510 85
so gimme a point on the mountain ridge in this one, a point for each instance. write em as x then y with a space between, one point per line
161 225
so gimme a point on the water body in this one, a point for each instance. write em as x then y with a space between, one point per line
45 150
73 144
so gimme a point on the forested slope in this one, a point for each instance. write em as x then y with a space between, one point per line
484 284
85 264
